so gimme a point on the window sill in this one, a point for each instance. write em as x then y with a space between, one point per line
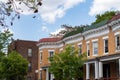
95 55
117 50
105 53
40 62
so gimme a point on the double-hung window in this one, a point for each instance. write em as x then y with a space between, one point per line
117 39
30 52
51 53
88 49
106 50
40 56
95 48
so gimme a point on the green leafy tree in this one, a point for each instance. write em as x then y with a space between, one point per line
13 67
105 16
5 38
67 65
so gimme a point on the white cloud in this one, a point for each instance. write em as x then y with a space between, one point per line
57 31
44 28
50 9
53 9
100 6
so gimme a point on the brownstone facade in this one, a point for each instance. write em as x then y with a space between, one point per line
28 50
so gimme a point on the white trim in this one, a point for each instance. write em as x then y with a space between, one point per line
89 62
79 43
100 69
105 37
96 69
41 54
116 33
112 58
87 42
103 30
88 49
87 71
95 40
51 50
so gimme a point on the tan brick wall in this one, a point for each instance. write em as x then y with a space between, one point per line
111 47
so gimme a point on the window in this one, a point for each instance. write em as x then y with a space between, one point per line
95 48
29 52
30 67
105 45
40 56
80 49
88 49
51 53
117 39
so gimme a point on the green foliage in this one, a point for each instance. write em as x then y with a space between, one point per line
67 65
105 16
5 38
76 30
13 67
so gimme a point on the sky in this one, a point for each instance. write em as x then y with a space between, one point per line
54 13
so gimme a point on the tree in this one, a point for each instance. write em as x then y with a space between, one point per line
13 67
105 16
5 38
67 65
10 10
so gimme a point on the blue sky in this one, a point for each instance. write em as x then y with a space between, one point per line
52 16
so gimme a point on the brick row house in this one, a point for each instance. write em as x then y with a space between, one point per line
101 43
28 50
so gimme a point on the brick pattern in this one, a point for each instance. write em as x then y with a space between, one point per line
111 47
22 46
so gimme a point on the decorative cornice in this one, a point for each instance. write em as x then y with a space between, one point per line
96 32
103 30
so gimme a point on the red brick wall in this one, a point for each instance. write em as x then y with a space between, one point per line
22 46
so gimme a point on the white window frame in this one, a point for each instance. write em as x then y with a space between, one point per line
49 54
105 38
41 56
117 48
79 45
88 43
94 41
29 52
51 51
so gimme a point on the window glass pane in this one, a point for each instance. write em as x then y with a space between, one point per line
29 52
29 67
117 42
88 49
51 53
95 48
40 56
106 45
